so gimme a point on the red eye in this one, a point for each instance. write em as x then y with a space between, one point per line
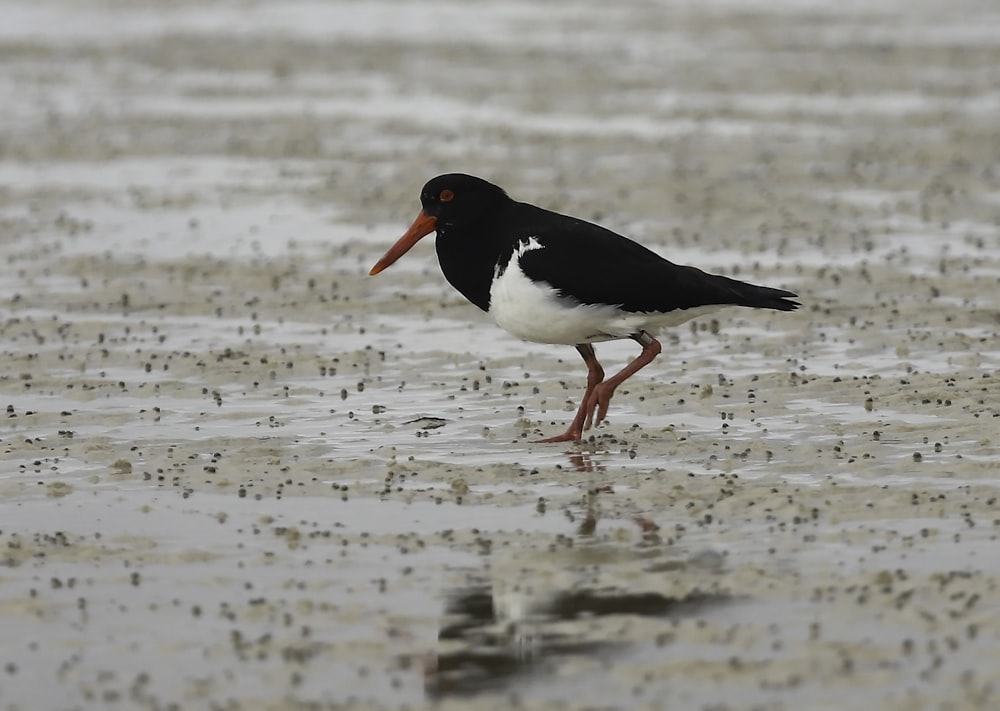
446 196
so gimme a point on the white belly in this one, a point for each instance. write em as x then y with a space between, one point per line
535 312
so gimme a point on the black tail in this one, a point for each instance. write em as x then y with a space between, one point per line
740 293
764 297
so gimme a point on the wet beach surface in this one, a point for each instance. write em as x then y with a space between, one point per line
239 473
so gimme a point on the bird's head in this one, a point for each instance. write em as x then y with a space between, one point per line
452 200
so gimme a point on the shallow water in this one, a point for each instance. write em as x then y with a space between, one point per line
239 473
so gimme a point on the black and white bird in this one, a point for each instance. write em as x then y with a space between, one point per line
551 278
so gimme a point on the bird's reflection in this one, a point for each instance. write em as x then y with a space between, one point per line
584 462
516 621
491 643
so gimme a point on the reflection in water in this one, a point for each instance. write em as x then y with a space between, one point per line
584 462
489 644
517 624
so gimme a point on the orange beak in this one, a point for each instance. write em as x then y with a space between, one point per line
421 227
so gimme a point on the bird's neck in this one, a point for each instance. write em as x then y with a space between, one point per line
468 255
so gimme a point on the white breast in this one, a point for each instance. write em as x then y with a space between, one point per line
534 311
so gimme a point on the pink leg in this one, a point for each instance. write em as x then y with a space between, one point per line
595 375
599 399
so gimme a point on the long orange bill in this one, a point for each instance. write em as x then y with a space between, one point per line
421 227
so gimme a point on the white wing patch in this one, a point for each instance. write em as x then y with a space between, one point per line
527 245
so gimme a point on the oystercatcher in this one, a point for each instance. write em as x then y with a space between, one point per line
551 278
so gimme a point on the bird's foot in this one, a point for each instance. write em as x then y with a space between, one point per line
597 405
569 435
591 413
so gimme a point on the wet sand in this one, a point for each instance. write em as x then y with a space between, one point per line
239 473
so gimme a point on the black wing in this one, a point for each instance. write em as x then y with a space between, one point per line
594 265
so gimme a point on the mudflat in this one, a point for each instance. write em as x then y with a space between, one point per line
239 473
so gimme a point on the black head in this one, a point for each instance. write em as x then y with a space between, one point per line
451 200
456 199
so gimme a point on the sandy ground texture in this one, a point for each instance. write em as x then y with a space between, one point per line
238 473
